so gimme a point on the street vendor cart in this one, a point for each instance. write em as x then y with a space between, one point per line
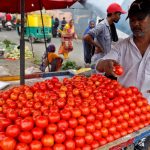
38 27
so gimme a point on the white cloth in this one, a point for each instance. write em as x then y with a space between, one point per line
136 67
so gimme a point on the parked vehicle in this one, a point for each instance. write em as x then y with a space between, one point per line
8 26
38 28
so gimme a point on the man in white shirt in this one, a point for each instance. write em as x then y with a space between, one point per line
133 53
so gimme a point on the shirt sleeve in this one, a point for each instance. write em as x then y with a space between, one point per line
96 31
113 54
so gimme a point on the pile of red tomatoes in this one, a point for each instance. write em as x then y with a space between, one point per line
73 114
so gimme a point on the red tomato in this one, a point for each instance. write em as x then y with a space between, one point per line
90 118
73 122
120 118
95 144
85 110
106 122
102 141
41 121
76 112
58 147
22 146
60 103
115 112
99 116
113 120
82 120
104 132
25 137
37 133
35 145
97 124
27 124
59 137
8 144
47 140
79 141
69 133
118 70
62 125
54 117
51 128
131 122
116 135
80 131
109 138
12 131
25 112
130 130
101 107
89 138
12 115
90 127
112 129
126 116
93 110
107 113
109 105
97 134
86 147
70 145
65 114
124 124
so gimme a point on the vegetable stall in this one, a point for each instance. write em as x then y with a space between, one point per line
63 111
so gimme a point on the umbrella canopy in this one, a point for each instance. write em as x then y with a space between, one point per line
13 6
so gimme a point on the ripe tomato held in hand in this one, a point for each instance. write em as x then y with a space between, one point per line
118 70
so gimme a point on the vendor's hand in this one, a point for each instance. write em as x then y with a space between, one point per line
98 50
107 66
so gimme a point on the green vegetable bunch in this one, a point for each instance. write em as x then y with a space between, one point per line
69 65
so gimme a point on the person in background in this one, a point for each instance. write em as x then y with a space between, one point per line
63 23
55 27
51 60
102 32
88 48
67 36
8 17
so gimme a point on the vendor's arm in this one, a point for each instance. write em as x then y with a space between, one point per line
108 61
94 33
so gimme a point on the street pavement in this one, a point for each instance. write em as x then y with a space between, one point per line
39 47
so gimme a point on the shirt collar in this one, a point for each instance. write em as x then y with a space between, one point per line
106 22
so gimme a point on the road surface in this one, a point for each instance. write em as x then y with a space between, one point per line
38 49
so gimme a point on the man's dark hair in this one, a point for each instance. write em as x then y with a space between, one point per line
139 8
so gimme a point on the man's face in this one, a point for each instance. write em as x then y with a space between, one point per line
116 16
140 26
92 24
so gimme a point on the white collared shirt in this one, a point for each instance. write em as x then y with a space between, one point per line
102 34
136 67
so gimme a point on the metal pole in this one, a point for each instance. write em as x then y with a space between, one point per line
22 44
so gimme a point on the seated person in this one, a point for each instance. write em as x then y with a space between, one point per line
51 60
